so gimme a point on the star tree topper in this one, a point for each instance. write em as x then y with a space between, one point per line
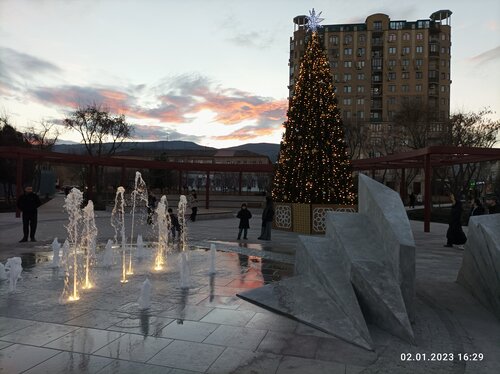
314 20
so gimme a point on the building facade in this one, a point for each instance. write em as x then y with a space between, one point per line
382 64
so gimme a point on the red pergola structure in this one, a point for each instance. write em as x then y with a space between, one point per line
425 158
20 154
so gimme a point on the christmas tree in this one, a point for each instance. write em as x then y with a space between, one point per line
313 165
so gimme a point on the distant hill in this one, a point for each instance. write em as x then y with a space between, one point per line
134 146
270 150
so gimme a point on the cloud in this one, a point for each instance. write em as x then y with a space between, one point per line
157 132
252 39
17 68
250 133
487 56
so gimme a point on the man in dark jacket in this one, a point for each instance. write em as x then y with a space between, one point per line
455 234
492 203
28 203
267 220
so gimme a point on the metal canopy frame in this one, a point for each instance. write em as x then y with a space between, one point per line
424 158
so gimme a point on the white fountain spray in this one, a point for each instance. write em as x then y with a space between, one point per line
89 241
183 242
162 221
213 252
72 205
118 223
141 253
145 296
14 268
108 260
140 192
56 246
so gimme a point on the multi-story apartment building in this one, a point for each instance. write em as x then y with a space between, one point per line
380 64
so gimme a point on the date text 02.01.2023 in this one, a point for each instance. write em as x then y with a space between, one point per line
473 356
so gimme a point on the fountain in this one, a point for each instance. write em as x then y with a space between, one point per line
118 223
89 241
15 268
141 253
212 259
3 274
140 191
145 296
56 246
184 263
163 223
72 205
108 260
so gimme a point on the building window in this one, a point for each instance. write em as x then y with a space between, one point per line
443 101
391 76
419 62
335 77
392 37
443 36
334 40
362 38
392 50
391 100
443 88
405 62
418 88
347 114
377 63
348 39
347 101
347 89
361 89
423 24
406 36
347 51
406 50
361 52
377 25
392 63
433 48
396 25
405 88
376 78
347 77
360 101
405 75
420 36
419 75
375 127
360 114
391 114
433 74
419 49
361 76
360 64
392 88
348 64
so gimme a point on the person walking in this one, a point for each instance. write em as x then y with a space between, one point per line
477 208
193 203
28 204
492 203
174 223
267 220
244 215
412 200
151 208
455 234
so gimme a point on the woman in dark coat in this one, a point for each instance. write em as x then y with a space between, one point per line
477 208
267 220
244 215
455 234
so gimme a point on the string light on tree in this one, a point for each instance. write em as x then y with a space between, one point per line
313 165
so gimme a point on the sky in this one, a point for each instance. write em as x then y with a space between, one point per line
213 72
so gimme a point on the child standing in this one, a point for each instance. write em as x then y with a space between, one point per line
175 226
244 215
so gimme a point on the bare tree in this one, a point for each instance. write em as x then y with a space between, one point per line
102 133
356 135
44 136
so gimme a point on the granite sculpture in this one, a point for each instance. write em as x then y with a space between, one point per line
480 270
362 270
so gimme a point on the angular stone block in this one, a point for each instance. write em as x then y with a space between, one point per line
480 270
387 214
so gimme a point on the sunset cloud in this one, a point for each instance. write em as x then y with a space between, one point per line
490 55
249 133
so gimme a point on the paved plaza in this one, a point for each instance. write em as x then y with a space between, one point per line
207 328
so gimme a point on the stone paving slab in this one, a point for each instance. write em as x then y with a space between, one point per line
448 318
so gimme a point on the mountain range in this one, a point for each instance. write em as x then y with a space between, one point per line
270 150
